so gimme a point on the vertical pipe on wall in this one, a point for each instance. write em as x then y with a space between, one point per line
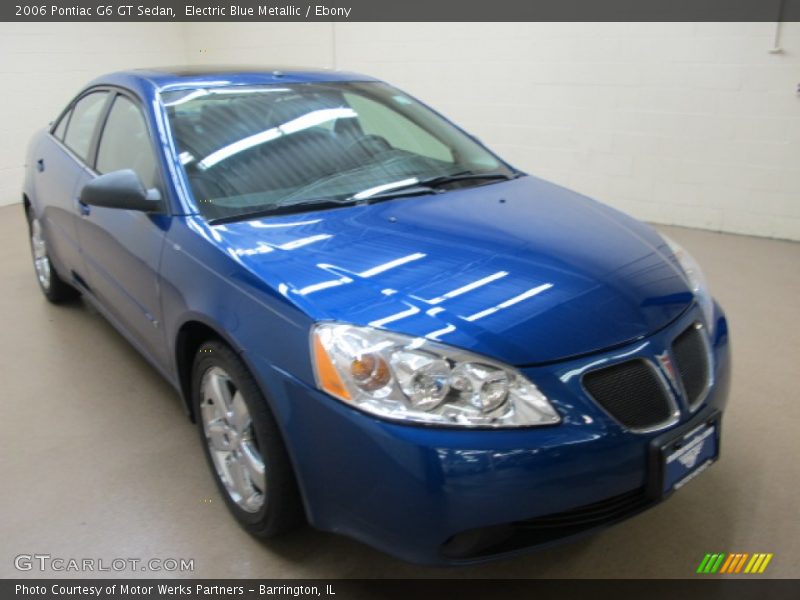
776 40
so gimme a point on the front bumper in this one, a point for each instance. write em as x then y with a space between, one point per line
442 496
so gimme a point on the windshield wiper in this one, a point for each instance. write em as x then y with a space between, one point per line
465 176
416 188
282 209
430 185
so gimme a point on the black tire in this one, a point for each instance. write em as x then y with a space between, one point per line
55 289
282 508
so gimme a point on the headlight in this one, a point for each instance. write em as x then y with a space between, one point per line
696 279
413 379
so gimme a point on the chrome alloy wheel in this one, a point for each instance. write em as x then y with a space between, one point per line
40 260
231 440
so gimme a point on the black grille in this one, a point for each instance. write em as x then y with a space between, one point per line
691 359
540 530
632 392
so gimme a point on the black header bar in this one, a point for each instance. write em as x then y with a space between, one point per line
705 587
400 10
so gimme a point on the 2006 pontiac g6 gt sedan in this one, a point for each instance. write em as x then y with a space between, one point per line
378 324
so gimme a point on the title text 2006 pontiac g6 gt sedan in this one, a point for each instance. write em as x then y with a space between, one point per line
378 324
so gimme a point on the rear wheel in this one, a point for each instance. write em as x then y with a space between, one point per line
243 444
54 288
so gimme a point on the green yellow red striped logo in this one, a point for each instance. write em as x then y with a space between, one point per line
735 562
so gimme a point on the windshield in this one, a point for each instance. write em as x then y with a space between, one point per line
251 150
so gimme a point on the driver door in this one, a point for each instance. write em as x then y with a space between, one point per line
122 248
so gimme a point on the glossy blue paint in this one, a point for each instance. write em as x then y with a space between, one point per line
528 280
522 271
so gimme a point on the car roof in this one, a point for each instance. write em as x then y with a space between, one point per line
192 76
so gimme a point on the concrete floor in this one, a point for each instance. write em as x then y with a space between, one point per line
99 461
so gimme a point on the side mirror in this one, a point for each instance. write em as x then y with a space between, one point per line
120 189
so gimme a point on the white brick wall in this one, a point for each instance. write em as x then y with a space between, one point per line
273 44
692 124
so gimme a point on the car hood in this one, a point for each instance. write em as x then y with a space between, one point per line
524 271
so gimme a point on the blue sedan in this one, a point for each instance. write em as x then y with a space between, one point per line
379 325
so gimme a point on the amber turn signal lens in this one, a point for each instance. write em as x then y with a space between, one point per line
327 376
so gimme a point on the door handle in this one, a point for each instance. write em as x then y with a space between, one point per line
84 209
40 165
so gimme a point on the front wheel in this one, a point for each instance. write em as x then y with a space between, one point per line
55 289
243 444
